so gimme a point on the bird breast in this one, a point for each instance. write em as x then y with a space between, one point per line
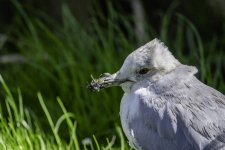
128 111
143 118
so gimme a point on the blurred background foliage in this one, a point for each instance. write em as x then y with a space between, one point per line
54 46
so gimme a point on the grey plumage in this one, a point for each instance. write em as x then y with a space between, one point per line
178 113
167 108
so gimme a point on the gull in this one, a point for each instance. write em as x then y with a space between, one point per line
164 106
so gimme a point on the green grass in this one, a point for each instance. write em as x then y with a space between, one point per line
20 131
60 59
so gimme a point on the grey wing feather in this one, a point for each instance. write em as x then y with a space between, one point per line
202 116
194 118
217 144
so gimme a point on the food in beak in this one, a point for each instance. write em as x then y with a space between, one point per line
104 81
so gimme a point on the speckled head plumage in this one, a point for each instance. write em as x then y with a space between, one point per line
153 54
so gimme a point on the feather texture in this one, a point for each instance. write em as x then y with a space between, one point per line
175 112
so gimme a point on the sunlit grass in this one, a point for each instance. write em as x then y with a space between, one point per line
20 131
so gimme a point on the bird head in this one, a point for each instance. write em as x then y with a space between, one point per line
148 60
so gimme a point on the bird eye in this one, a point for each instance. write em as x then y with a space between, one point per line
143 71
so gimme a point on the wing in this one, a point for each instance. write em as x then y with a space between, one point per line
201 115
188 114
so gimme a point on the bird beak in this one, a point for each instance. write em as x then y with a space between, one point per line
106 80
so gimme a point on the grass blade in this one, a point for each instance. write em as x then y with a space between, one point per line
58 140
